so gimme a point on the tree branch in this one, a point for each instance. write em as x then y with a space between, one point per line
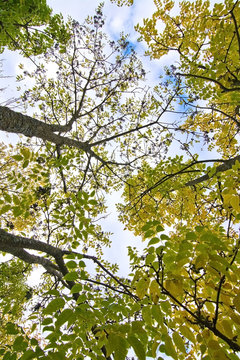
210 79
228 164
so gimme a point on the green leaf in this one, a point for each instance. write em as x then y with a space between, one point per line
149 259
186 332
7 197
54 305
153 241
17 211
191 235
169 347
19 344
147 314
71 264
47 321
118 345
11 328
4 209
157 314
25 164
17 157
159 228
137 347
149 233
178 341
147 226
71 276
28 354
164 237
76 288
65 315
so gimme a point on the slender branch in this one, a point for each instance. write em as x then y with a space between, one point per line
236 27
204 322
96 261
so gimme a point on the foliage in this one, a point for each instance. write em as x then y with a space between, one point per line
194 266
208 47
29 26
95 129
13 295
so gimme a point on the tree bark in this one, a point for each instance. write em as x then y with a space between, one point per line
18 123
228 164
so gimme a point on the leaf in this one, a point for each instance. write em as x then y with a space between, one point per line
154 290
142 287
164 237
71 276
236 302
76 288
137 347
71 264
157 314
11 328
28 354
153 241
54 305
17 157
186 332
19 343
147 314
26 153
65 315
149 233
118 345
159 228
191 235
169 347
4 209
178 341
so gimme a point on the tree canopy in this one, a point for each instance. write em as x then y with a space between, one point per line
29 26
95 128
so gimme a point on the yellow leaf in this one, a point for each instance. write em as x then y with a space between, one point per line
178 341
213 344
154 291
170 350
236 302
186 332
201 261
142 287
174 287
220 355
235 318
225 326
234 201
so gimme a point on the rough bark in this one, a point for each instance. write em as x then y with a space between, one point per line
18 123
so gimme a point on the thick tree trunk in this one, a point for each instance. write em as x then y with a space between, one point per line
18 123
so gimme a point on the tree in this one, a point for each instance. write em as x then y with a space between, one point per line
96 128
191 274
88 133
29 26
